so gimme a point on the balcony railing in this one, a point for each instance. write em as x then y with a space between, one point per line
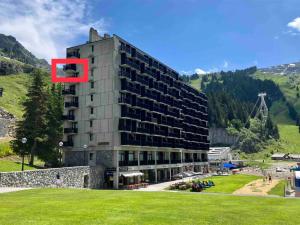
128 163
164 161
69 67
175 161
68 144
70 130
71 104
68 92
68 117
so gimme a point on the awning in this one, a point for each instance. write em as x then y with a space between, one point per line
131 174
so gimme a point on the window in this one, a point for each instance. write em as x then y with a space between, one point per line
92 98
92 84
92 73
91 137
93 60
92 110
92 48
131 156
91 156
91 123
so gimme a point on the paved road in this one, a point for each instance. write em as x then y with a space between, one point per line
11 189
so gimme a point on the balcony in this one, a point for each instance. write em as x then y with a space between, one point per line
68 92
74 54
71 67
128 163
71 104
163 161
175 161
68 117
147 162
68 144
70 130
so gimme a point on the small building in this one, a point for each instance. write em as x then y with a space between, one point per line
219 154
295 157
279 156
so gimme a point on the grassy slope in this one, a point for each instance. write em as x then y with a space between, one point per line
278 189
289 133
15 89
9 165
71 206
228 184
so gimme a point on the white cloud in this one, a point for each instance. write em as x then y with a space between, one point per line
200 71
225 64
295 24
47 27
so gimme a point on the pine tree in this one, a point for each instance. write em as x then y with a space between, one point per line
34 123
54 131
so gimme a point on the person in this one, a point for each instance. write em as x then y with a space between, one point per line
58 180
270 178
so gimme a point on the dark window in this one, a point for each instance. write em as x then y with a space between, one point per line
93 60
92 84
92 98
91 156
92 110
91 137
91 123
92 48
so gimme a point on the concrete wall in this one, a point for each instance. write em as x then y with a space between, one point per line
77 177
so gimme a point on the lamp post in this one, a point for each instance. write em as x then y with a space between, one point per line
24 140
60 144
84 147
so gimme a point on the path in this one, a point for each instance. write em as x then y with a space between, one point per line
11 189
164 185
257 187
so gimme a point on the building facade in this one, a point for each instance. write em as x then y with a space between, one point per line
134 117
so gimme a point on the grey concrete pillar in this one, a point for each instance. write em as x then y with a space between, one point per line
116 174
155 175
170 171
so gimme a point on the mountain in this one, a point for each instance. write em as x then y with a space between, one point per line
10 48
283 69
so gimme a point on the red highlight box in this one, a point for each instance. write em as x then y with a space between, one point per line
81 79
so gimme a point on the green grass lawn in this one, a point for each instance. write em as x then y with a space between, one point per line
9 165
278 189
71 206
228 184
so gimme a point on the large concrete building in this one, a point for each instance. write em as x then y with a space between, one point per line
134 117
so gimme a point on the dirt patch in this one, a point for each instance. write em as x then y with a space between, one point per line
257 187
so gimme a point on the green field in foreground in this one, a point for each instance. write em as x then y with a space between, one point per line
71 206
228 184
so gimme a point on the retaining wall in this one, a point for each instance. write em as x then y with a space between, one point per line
77 177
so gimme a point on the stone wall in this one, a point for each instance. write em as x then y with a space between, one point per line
77 177
220 136
7 123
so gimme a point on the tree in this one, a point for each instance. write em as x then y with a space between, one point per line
34 124
54 131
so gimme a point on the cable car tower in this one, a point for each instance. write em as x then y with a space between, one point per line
262 111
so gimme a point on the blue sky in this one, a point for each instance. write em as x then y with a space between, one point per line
204 35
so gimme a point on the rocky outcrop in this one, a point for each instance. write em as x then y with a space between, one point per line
7 123
221 136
